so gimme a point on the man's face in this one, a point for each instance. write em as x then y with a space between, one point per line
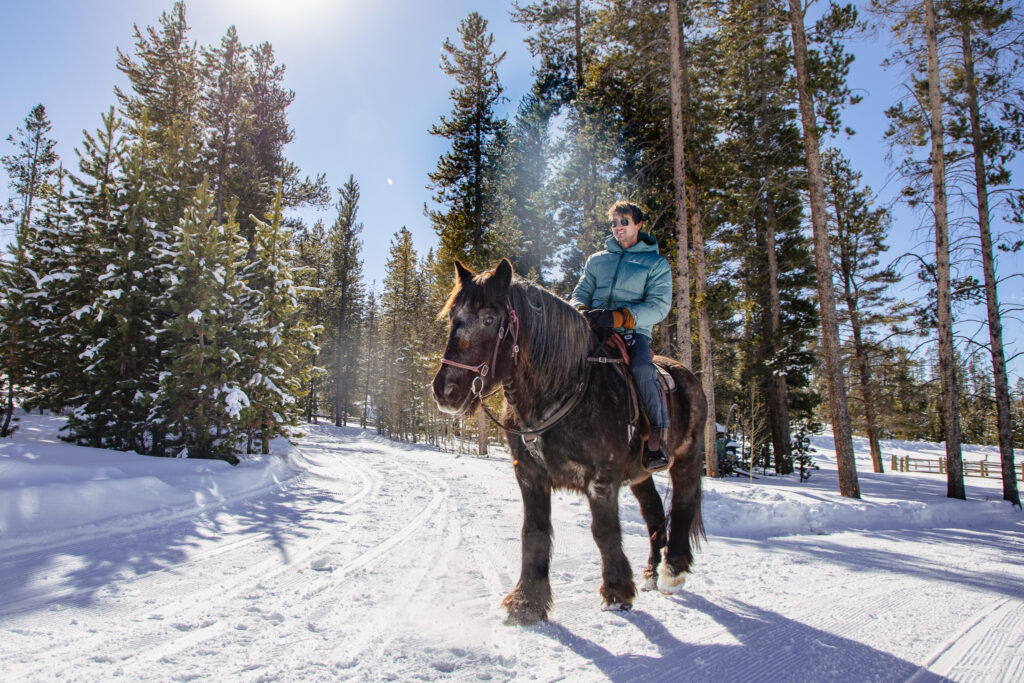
625 230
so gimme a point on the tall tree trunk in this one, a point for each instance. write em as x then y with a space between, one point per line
947 366
683 333
778 394
696 222
707 365
866 386
852 296
995 324
847 466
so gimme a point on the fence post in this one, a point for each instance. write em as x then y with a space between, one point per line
983 468
895 467
942 465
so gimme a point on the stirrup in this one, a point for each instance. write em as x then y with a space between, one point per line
655 461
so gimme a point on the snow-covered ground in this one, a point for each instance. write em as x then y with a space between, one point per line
350 557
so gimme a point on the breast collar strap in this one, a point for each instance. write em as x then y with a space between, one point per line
484 368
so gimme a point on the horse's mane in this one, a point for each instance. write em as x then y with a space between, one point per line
557 338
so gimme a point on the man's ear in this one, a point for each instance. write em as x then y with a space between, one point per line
462 273
501 278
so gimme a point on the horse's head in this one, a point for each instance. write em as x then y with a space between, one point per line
482 338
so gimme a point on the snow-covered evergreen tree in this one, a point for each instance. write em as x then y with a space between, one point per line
122 353
32 170
280 341
200 401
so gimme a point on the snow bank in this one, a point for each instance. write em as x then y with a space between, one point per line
51 490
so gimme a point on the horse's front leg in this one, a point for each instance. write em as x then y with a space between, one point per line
617 587
530 601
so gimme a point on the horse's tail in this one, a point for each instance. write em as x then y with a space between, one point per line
697 533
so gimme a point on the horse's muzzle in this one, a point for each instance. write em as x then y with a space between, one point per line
451 397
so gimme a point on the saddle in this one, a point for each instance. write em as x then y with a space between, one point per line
619 356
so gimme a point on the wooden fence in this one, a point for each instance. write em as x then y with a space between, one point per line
978 468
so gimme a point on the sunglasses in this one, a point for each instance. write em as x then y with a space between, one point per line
620 221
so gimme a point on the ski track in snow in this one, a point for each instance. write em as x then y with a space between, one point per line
386 561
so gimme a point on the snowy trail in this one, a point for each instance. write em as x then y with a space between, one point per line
382 561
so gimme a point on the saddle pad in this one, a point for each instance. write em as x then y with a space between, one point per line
668 382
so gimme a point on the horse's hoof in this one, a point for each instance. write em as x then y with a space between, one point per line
670 583
616 607
650 581
524 618
521 612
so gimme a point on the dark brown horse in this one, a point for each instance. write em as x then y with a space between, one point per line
515 335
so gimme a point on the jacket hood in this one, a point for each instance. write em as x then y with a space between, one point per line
644 243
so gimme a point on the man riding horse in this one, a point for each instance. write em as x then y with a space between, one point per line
627 288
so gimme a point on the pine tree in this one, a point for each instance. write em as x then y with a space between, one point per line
227 113
33 172
51 260
981 87
858 234
809 119
563 40
315 261
467 177
524 188
761 172
200 400
916 24
275 369
465 181
122 352
345 295
163 107
403 306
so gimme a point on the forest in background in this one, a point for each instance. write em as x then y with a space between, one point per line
159 294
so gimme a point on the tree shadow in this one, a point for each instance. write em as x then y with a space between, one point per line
769 647
76 573
1007 542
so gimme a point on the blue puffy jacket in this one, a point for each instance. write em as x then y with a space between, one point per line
638 279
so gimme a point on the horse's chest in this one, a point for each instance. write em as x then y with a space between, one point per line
563 472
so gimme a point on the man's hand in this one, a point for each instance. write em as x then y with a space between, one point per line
600 319
603 320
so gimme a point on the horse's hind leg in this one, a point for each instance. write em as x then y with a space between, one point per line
530 601
654 516
686 524
617 587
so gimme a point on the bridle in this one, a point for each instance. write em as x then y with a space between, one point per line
484 368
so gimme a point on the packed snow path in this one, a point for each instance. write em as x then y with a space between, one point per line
379 561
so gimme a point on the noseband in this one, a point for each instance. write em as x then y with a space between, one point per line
484 368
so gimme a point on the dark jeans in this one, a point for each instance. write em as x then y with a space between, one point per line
642 367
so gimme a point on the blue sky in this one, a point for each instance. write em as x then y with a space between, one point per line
368 87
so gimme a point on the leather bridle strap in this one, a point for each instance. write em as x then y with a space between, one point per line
484 368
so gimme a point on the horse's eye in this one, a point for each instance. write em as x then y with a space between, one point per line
489 320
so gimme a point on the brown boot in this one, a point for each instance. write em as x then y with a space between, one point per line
654 459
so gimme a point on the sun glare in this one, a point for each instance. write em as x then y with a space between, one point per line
290 15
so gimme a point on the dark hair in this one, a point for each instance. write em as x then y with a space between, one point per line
624 207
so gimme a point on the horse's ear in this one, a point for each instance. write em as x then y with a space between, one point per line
462 273
501 278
